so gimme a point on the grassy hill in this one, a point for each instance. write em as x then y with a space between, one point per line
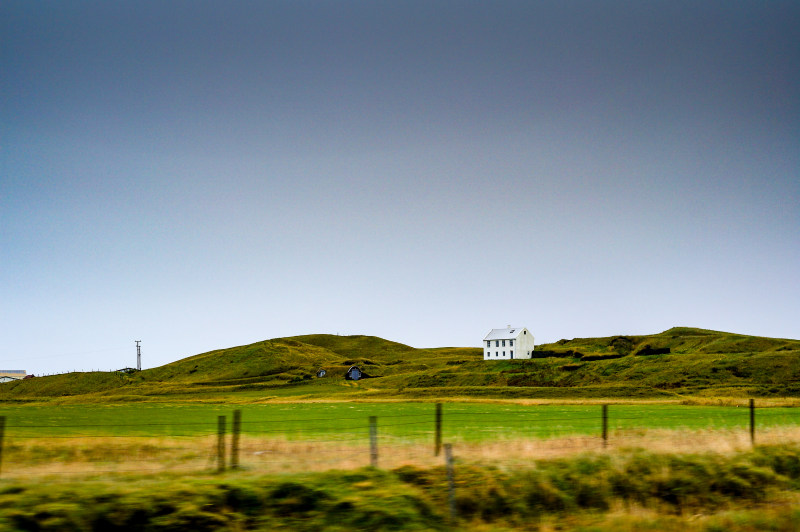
676 363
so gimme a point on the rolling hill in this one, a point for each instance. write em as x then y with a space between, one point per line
679 362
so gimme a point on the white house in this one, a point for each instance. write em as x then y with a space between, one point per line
8 375
508 344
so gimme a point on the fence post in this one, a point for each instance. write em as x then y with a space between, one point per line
2 435
752 423
237 428
437 446
221 443
605 426
451 486
373 441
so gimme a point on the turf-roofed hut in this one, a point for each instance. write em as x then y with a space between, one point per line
353 373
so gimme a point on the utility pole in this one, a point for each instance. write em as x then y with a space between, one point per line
138 355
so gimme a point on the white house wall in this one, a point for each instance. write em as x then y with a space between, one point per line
522 348
526 345
500 349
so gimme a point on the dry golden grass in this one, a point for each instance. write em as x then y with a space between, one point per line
24 458
761 402
111 456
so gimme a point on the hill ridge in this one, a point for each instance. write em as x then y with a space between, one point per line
681 361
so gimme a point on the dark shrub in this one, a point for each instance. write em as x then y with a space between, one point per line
291 498
494 505
622 345
467 505
242 499
543 497
782 460
192 519
412 475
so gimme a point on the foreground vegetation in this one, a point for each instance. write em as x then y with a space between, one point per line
673 365
625 490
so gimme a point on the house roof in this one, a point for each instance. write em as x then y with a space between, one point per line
503 334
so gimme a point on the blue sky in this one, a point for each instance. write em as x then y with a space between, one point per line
199 175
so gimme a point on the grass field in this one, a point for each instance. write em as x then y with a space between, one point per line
462 421
319 436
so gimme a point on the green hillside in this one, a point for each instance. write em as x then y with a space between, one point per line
679 362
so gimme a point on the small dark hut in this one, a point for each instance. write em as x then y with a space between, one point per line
353 374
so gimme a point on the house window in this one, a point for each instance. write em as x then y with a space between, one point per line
496 354
497 343
504 354
504 343
488 343
511 354
511 343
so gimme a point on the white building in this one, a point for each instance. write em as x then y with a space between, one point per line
508 344
8 375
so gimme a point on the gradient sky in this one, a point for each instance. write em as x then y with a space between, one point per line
198 175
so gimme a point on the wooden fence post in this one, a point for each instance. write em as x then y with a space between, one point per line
221 443
752 423
437 445
451 486
605 426
2 435
373 441
237 428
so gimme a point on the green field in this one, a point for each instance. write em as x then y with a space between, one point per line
466 421
88 440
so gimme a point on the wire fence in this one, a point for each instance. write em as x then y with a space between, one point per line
510 439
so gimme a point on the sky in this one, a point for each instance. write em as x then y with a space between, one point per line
204 174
